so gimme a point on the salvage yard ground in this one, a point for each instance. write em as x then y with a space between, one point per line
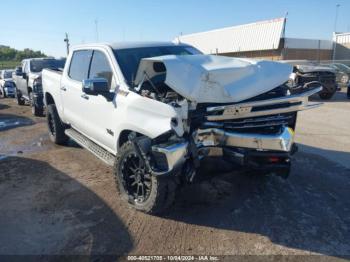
62 200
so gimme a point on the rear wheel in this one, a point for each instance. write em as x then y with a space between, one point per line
55 126
143 191
37 111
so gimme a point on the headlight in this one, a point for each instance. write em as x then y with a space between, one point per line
344 79
37 81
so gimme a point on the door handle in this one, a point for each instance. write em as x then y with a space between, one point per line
85 96
63 88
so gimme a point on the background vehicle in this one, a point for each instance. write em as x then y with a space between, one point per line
155 110
8 88
342 73
308 73
27 78
6 82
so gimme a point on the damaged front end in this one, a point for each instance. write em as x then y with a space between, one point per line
256 132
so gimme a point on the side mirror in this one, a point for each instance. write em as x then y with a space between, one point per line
95 86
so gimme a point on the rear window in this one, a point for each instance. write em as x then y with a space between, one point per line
39 65
7 74
79 66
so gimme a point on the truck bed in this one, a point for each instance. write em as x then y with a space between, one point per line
51 81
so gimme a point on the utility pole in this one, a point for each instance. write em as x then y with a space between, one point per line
96 27
336 17
335 38
67 43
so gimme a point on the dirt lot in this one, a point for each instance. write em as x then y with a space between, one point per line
62 200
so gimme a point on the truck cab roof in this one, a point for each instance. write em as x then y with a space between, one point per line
127 45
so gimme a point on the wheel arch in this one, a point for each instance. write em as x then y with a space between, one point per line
49 99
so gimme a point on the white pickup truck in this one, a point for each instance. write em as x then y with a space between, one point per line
155 110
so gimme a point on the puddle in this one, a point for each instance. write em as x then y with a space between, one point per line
2 157
9 123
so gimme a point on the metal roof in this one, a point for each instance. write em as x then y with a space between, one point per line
264 35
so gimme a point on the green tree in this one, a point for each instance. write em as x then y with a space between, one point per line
11 54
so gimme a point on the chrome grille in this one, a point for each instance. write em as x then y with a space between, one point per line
266 123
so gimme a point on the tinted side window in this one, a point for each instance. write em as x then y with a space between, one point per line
100 67
79 66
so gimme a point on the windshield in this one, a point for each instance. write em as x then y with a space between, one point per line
129 59
343 68
8 74
39 65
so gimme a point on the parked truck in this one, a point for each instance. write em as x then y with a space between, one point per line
311 73
154 111
27 78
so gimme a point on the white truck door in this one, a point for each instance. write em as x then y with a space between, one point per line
72 96
101 112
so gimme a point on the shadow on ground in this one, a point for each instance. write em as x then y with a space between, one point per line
339 96
8 121
45 212
3 106
310 211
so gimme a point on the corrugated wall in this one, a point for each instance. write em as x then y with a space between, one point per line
263 35
342 50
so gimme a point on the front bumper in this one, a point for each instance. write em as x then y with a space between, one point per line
9 91
214 137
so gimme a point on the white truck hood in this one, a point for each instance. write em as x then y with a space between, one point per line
216 79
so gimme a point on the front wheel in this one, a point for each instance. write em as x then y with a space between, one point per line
55 126
143 191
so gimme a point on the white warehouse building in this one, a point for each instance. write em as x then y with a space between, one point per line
264 39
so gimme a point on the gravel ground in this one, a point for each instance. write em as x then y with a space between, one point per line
62 200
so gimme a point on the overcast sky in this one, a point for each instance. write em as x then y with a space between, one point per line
41 24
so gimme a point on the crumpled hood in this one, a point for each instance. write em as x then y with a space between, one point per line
217 79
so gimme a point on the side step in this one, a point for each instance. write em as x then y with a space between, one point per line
85 142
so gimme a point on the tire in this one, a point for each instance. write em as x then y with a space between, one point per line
36 111
159 193
326 96
19 99
3 94
55 126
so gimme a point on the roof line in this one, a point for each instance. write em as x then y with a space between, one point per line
235 26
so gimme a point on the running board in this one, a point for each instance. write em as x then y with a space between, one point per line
85 142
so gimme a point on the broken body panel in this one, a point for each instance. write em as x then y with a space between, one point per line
183 105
